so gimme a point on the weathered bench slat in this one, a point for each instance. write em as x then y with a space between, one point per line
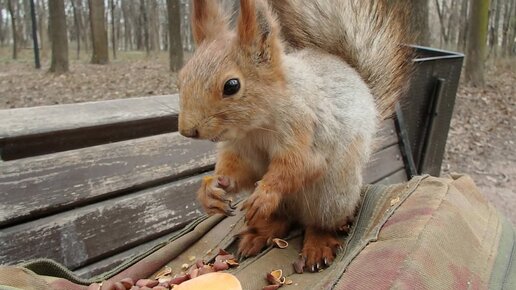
36 131
41 120
111 262
41 185
85 235
397 177
386 135
383 163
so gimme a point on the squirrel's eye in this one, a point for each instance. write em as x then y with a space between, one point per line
231 87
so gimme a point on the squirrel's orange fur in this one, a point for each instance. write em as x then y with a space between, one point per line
298 129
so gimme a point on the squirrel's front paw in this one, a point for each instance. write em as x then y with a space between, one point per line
261 205
212 195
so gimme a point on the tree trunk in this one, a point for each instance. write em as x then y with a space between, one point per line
145 24
496 26
440 13
2 26
57 27
174 27
419 21
477 40
113 23
35 34
463 29
98 32
128 42
509 5
10 7
512 31
154 37
77 28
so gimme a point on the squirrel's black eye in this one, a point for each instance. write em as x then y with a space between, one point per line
231 87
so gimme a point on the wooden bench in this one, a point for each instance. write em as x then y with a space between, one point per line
91 184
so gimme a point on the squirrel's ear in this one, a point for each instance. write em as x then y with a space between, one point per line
258 30
208 20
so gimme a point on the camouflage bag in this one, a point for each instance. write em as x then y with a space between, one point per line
428 233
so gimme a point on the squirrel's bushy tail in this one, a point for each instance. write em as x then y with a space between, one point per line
369 35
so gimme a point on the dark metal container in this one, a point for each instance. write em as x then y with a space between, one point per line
425 112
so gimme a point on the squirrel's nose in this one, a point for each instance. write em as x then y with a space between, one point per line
190 133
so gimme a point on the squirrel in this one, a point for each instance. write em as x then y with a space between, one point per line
293 96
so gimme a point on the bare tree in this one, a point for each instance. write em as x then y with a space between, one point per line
477 40
35 34
509 7
419 21
98 32
128 31
174 26
57 27
76 16
145 25
2 26
463 26
11 8
113 23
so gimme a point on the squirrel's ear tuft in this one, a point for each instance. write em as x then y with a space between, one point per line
258 30
208 20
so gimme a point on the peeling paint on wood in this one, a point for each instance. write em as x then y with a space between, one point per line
83 235
36 186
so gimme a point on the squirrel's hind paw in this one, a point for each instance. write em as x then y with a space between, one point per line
319 249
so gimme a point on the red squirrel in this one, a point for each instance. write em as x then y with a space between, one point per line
293 97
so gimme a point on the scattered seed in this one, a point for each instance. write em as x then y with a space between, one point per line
395 201
178 280
191 258
127 282
184 267
271 287
222 252
220 266
165 272
199 263
147 283
288 282
206 269
282 244
165 280
194 273
118 286
232 263
224 258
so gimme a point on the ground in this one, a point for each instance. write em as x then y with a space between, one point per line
480 143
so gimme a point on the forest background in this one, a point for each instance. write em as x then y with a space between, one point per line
68 51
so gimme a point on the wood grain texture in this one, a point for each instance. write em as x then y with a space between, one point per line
383 163
397 177
85 235
32 187
40 120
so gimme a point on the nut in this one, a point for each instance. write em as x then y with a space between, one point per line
147 283
164 272
178 280
127 282
282 244
271 287
118 286
275 277
220 266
